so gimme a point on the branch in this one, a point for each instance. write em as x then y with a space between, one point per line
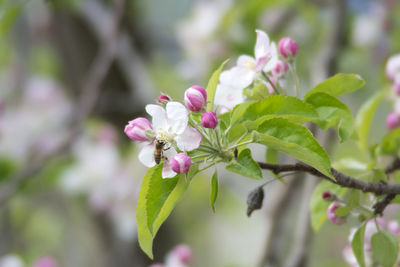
342 179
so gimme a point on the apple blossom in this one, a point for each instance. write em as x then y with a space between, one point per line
195 98
136 129
45 262
287 47
280 69
229 91
181 163
332 215
163 99
393 227
393 67
396 85
171 125
392 121
180 256
209 120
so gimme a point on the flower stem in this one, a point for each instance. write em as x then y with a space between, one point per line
240 144
292 66
208 166
270 82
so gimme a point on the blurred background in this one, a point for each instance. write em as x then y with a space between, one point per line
72 73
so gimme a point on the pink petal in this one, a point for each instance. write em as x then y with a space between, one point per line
167 172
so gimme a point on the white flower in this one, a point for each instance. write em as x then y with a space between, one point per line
232 82
170 125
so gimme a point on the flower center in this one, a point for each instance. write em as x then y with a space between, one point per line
249 64
165 136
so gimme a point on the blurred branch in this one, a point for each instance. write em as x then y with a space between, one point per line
127 58
89 95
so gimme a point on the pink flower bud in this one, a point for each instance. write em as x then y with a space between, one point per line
392 121
327 196
163 99
45 262
287 47
157 265
393 227
181 163
280 69
183 253
136 129
209 120
195 98
332 215
393 67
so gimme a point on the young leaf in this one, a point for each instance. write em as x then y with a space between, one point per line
358 245
282 106
391 142
364 118
245 165
385 248
271 156
212 85
214 189
343 211
318 207
295 140
332 113
157 198
338 85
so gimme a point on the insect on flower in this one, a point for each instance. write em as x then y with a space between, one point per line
159 147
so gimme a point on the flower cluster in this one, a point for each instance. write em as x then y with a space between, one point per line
370 229
265 67
169 137
393 73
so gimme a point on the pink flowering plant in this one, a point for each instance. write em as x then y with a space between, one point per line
252 103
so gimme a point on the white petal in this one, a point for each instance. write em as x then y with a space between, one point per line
261 49
146 156
167 172
189 140
273 58
177 117
245 61
169 153
228 97
159 120
238 77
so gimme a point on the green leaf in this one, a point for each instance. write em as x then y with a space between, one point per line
353 198
212 85
288 107
385 248
343 211
358 245
390 144
364 118
295 140
271 156
318 207
338 85
332 113
157 198
214 189
245 165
